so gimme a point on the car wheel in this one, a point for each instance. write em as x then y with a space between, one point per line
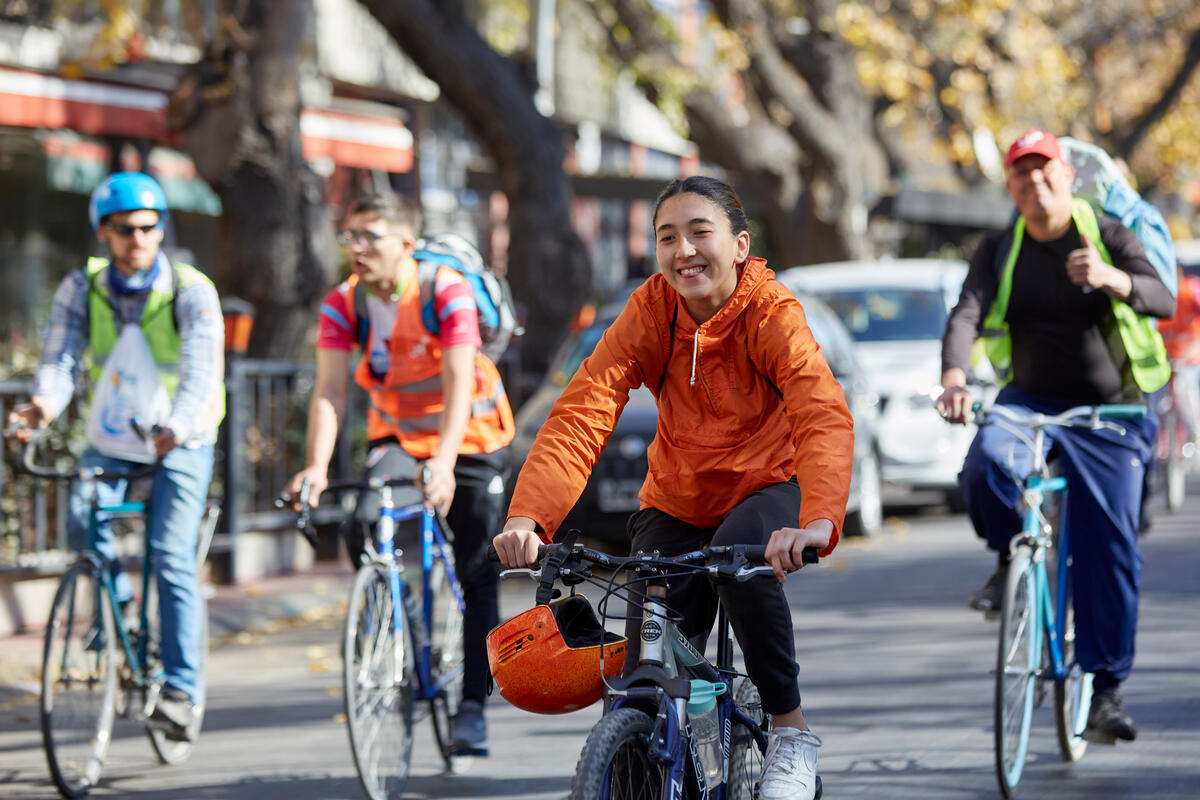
867 520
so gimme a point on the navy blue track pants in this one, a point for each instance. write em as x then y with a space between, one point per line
1104 471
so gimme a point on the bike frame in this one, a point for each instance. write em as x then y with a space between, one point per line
1051 614
664 649
433 546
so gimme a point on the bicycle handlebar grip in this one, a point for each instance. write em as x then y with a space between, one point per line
758 553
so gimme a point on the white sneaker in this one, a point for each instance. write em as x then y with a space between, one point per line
790 768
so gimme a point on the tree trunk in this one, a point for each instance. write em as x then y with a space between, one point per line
548 266
239 112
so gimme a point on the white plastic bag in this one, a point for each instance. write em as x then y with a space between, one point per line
128 389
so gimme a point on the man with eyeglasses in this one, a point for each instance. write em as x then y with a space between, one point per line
436 402
176 308
1061 302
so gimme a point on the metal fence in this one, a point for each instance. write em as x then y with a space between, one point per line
260 446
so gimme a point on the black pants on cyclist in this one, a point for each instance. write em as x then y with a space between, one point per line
474 517
758 610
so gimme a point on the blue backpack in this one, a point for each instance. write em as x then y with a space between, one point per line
493 298
1100 181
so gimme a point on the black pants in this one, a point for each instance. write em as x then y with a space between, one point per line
474 517
757 609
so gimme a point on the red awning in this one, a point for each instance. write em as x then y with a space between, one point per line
34 100
354 140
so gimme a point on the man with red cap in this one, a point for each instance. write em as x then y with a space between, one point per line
1063 299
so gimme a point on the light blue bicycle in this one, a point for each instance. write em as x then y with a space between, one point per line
1037 626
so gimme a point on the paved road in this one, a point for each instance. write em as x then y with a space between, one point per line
896 679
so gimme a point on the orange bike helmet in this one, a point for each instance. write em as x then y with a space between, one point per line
547 659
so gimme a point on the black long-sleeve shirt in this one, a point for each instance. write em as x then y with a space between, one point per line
1060 333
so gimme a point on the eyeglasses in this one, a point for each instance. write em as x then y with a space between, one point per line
126 231
364 238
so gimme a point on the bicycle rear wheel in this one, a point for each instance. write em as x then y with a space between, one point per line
745 759
615 763
446 655
1017 665
79 680
378 686
1072 697
174 751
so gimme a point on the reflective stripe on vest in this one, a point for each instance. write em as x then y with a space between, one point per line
1136 334
407 403
157 323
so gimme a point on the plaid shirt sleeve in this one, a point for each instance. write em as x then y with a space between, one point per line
65 341
201 361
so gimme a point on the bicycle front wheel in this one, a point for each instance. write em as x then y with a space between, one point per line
1072 697
79 680
378 686
446 654
745 759
1017 667
615 763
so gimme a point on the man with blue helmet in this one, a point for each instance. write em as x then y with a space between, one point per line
176 308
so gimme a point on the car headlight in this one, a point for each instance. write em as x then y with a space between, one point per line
631 447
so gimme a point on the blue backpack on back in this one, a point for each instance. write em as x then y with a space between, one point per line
1100 181
493 298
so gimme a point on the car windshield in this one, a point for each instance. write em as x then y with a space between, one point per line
889 314
579 348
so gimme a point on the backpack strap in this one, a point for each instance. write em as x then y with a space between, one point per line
362 317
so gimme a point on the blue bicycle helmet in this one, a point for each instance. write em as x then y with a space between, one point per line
126 191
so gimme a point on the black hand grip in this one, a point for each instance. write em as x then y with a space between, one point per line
756 554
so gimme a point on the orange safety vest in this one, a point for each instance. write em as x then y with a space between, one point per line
408 402
1181 333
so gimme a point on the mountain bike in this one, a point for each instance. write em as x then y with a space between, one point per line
98 661
1037 626
645 744
402 645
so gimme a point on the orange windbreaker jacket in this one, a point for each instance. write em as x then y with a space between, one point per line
747 401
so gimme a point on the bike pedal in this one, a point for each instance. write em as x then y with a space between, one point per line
473 752
1097 737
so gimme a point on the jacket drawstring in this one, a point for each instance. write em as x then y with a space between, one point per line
695 350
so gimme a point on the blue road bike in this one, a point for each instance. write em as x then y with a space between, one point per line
402 644
644 746
1037 627
98 661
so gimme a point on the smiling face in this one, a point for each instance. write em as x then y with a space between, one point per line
1041 189
698 252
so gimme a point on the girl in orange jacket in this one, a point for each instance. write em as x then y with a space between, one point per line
754 442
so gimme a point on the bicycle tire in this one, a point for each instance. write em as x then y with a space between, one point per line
174 751
79 680
615 763
745 759
445 657
1017 667
1073 696
377 682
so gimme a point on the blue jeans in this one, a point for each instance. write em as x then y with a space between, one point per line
1104 471
177 497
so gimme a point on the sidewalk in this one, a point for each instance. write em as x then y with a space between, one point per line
235 612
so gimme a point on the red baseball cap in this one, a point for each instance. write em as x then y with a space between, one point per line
1031 142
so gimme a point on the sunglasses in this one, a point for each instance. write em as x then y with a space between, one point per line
126 231
364 238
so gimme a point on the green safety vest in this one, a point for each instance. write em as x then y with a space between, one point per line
157 323
1137 334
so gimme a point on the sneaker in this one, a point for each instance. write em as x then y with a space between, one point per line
989 597
468 730
1107 720
790 767
175 715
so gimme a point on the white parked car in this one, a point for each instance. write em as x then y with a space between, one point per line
896 310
